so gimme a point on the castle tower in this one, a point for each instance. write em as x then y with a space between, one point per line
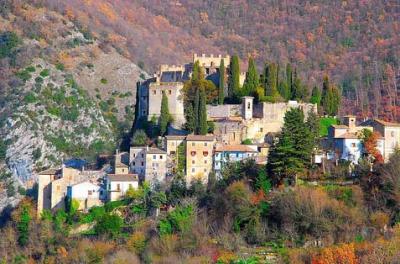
247 107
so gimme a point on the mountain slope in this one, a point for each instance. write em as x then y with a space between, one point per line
356 42
64 93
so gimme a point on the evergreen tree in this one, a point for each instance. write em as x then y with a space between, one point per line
165 116
221 88
292 154
315 96
271 75
190 118
196 110
299 90
251 83
284 90
203 126
325 90
197 73
313 124
234 82
289 76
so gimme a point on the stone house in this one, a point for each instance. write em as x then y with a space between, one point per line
199 157
391 133
52 187
149 163
346 142
88 194
118 184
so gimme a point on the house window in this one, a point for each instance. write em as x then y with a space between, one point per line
205 144
169 92
261 129
142 155
154 92
154 157
118 187
142 163
123 170
193 161
193 169
89 192
353 145
205 161
134 155
133 163
392 134
248 105
205 153
172 153
193 144
193 153
161 157
205 170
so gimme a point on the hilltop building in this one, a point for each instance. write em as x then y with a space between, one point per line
346 142
199 157
235 123
149 163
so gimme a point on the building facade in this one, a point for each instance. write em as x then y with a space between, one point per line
199 157
232 153
88 194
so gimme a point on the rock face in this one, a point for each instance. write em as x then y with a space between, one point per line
56 119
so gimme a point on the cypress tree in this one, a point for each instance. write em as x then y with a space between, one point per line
203 127
221 88
190 118
196 110
289 76
251 83
315 96
314 126
234 82
284 90
325 89
197 73
165 116
271 79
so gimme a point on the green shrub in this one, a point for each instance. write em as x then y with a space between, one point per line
23 226
39 79
103 81
45 73
30 69
109 224
60 66
30 98
24 75
3 149
8 42
179 220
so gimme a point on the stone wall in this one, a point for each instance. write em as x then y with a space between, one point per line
224 111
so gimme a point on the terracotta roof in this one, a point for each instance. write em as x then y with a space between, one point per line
348 136
123 177
200 138
385 123
155 151
172 137
51 171
235 148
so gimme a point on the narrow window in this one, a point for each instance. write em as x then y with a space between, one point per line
118 187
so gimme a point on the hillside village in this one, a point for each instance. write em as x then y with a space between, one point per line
242 130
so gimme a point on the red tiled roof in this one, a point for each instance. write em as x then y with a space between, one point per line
123 177
385 123
200 137
235 148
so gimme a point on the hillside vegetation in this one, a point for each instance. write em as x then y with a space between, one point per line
355 42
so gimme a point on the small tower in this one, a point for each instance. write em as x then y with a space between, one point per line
349 121
247 107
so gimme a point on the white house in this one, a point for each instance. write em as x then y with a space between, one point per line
118 184
87 193
232 153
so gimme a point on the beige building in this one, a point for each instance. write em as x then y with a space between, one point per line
391 132
235 123
149 163
118 184
199 157
52 187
